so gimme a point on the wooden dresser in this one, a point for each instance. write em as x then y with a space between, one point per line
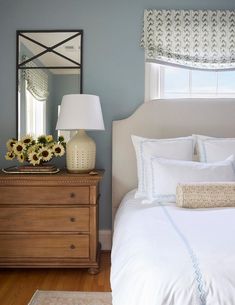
49 220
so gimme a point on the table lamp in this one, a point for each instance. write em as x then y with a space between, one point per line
79 112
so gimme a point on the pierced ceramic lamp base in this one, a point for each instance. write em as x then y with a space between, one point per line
80 153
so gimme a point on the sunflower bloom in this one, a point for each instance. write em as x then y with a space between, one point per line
34 158
49 138
58 150
27 139
18 148
45 153
10 143
21 158
10 155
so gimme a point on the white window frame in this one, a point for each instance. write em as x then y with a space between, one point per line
152 73
31 118
154 85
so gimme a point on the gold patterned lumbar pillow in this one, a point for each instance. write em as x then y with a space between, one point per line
205 195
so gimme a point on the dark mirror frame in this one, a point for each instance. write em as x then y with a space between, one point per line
20 33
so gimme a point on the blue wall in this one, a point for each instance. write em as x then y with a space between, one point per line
113 60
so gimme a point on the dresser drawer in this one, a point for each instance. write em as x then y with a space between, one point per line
49 220
44 195
29 219
44 246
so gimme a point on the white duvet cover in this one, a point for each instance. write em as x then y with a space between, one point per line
164 255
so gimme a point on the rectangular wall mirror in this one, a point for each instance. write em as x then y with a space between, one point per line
49 65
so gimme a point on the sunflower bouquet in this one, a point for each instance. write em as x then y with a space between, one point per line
35 151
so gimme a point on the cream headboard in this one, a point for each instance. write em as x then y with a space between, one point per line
165 119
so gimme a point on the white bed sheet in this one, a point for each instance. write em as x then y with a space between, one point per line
164 255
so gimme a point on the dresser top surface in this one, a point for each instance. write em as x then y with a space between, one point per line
62 175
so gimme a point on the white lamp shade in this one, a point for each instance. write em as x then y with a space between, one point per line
80 111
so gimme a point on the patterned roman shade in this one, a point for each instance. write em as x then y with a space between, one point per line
200 39
37 80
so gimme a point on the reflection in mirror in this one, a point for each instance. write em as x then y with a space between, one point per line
49 65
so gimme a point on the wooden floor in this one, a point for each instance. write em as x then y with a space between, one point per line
18 285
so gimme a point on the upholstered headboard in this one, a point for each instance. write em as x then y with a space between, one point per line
165 119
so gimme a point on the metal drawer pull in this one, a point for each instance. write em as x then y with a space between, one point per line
72 219
72 247
72 195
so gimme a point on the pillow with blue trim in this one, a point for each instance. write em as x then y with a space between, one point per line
211 149
174 148
166 174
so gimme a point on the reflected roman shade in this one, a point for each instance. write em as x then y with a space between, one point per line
202 39
37 81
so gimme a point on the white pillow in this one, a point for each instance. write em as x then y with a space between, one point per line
176 148
215 149
196 139
166 174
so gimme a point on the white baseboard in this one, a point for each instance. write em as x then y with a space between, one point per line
105 238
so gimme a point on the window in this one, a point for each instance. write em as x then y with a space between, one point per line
173 82
36 115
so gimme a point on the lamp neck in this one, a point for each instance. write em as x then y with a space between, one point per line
78 133
81 132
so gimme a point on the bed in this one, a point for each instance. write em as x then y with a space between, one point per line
163 255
